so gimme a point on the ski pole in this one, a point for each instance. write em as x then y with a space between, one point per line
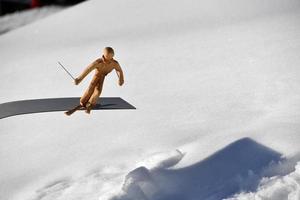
66 70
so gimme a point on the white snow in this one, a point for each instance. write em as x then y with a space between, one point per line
217 80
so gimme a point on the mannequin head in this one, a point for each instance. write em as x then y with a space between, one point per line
108 53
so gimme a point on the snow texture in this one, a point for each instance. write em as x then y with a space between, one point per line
239 166
275 188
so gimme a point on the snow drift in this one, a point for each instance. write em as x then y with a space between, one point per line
239 166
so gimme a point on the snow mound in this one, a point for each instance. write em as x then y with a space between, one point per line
275 188
238 166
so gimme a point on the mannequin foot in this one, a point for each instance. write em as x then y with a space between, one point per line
88 108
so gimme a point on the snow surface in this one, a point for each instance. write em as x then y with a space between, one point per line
17 19
277 187
216 80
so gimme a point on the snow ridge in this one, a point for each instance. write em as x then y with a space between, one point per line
238 167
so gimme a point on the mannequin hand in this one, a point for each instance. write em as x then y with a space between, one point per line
121 82
77 81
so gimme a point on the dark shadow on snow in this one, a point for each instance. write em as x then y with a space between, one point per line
57 104
239 166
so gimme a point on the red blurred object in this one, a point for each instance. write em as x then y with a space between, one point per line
35 3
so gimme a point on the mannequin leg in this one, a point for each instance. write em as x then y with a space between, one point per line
89 91
97 91
96 94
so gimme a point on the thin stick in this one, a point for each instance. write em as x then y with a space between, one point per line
66 70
